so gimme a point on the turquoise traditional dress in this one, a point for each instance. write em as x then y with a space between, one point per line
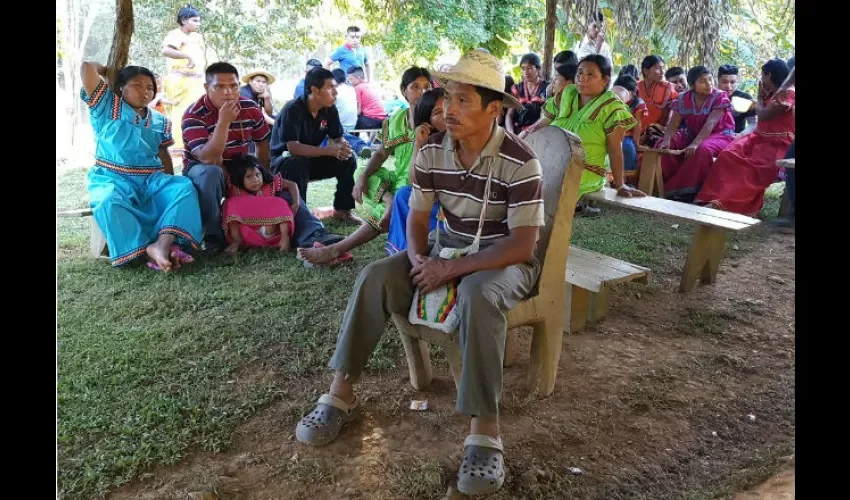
132 200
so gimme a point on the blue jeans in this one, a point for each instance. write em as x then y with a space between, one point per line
357 144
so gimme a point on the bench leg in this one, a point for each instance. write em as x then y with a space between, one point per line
651 180
546 345
511 346
704 257
599 304
579 308
97 241
418 361
785 204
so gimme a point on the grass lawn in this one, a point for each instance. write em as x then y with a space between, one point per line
148 363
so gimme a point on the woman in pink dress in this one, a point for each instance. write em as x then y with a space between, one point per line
253 215
745 169
709 129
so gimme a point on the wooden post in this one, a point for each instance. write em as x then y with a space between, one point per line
119 54
549 39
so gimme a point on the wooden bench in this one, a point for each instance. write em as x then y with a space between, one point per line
709 243
590 276
543 311
651 180
97 242
785 203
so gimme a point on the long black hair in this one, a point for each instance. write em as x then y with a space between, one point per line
130 72
425 106
239 165
777 69
186 12
410 75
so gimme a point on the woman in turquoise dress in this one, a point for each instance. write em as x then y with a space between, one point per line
139 205
592 112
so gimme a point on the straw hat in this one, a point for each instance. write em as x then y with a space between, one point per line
480 68
259 72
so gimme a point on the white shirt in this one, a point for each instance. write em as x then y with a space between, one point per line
587 47
346 104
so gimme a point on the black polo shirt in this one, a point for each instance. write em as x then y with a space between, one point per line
296 123
741 118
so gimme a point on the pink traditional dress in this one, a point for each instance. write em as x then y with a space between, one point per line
683 176
260 214
746 168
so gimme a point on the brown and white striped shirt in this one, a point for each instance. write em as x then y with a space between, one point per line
516 197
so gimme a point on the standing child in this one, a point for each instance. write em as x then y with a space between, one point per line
626 88
253 215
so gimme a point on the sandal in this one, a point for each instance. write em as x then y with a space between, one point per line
182 256
322 425
483 468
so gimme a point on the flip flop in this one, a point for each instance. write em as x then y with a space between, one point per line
483 468
343 257
153 265
182 256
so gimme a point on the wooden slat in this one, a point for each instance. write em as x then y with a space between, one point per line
674 152
683 211
592 271
81 212
785 163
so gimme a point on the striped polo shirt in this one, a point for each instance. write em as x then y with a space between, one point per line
201 118
516 197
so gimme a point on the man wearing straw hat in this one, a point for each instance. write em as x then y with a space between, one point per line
257 89
453 169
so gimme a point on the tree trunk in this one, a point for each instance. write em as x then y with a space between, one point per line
549 40
119 54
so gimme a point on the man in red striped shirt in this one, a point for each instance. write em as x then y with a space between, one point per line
218 126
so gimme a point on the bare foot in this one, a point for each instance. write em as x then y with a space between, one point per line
232 248
159 254
319 255
285 245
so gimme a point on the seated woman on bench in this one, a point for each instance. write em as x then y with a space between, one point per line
710 128
139 205
375 186
745 169
591 111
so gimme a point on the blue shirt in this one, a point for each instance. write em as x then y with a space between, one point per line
348 58
126 142
299 89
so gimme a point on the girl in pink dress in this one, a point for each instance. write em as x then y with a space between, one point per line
709 129
253 215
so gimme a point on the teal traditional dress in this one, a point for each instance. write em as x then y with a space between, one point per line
397 139
593 123
132 200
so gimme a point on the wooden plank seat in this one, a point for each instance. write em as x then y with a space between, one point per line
708 245
556 149
97 243
651 180
590 276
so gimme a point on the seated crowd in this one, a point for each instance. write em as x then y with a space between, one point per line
246 171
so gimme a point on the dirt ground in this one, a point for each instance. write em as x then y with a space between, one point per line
673 396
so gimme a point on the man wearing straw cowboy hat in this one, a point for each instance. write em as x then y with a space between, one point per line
457 168
257 89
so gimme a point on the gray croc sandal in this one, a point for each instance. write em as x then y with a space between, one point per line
483 468
322 425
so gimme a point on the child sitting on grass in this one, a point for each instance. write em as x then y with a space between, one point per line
253 215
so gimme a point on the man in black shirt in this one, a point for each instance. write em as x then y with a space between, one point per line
301 128
727 78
